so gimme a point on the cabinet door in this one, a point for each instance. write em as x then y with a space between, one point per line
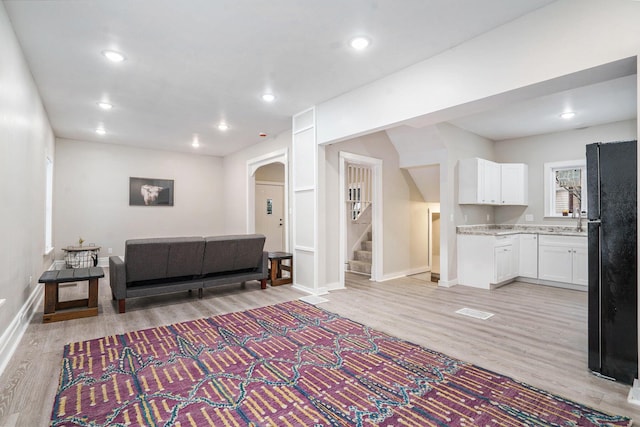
555 263
513 184
491 183
528 259
580 266
504 263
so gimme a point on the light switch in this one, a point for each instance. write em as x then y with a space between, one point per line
528 217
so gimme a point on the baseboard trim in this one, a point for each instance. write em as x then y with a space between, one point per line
13 334
551 283
334 286
321 291
634 393
405 273
447 283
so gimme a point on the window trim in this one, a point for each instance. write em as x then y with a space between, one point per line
549 187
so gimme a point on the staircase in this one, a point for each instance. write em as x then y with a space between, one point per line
361 262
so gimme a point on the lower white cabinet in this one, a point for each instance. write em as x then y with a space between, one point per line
486 260
563 259
528 256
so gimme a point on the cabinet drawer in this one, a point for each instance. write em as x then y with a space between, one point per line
568 241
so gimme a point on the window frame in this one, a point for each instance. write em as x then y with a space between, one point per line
549 185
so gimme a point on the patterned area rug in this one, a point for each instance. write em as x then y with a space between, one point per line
291 364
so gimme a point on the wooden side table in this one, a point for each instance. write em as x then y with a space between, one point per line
276 267
88 306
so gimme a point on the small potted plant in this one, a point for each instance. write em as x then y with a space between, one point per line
80 241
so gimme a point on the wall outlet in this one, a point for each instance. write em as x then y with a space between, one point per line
465 218
488 217
110 251
528 217
451 217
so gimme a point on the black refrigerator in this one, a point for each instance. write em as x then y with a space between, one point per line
613 280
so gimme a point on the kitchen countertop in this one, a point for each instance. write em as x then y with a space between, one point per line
506 229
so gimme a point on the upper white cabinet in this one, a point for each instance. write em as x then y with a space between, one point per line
513 184
483 182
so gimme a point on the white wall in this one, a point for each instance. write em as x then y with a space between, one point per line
26 139
401 205
92 195
535 151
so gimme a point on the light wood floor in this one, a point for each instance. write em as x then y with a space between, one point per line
537 335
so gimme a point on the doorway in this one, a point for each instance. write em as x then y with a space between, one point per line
267 199
434 243
269 205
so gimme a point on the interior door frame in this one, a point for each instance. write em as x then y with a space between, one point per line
430 212
376 213
278 156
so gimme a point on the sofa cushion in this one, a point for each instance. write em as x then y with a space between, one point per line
228 253
185 257
148 259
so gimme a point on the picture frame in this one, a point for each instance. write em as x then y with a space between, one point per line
150 192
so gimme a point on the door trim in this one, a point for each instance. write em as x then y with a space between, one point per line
277 156
376 214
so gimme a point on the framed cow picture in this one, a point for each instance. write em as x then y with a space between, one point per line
150 192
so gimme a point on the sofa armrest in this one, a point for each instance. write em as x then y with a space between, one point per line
265 264
117 277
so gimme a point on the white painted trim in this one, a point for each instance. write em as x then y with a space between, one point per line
405 273
335 286
634 393
12 336
313 188
548 185
320 291
277 156
276 183
447 283
376 214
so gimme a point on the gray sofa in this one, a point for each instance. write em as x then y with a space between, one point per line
163 265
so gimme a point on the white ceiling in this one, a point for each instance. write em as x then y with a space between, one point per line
193 63
604 102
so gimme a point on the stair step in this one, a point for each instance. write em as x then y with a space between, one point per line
363 256
360 266
367 245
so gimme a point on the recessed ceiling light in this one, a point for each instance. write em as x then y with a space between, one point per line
101 131
114 56
268 97
568 115
359 43
223 126
105 105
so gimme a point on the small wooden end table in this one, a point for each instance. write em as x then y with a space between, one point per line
275 270
88 306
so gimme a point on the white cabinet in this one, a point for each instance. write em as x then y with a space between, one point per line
514 189
483 182
528 256
504 263
479 181
563 259
486 260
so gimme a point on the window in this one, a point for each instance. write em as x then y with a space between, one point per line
48 209
565 188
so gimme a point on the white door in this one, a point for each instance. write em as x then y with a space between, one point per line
270 215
